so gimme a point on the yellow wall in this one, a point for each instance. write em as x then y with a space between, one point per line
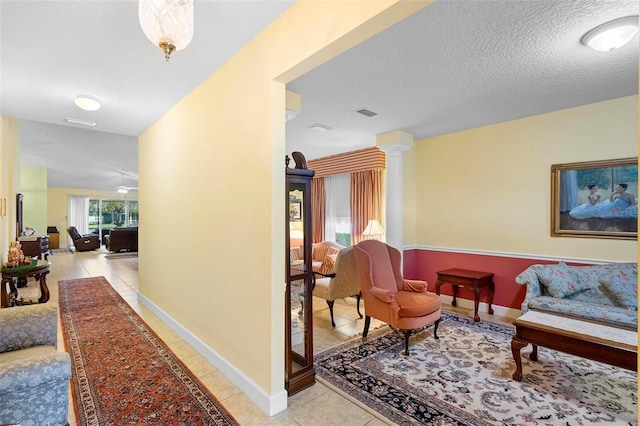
58 204
33 186
489 188
212 187
9 179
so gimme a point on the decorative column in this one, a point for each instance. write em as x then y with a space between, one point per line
394 144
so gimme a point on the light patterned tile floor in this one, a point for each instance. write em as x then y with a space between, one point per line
327 406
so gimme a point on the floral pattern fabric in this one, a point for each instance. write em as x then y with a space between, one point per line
597 292
465 378
34 377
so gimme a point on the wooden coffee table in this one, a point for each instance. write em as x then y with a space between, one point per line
595 341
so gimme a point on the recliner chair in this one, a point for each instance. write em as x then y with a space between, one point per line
83 242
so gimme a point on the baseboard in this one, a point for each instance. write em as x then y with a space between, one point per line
269 404
500 311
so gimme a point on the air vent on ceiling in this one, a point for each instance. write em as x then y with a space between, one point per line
366 112
320 127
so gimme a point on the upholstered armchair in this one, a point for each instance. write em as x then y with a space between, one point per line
343 283
403 304
34 376
323 256
83 242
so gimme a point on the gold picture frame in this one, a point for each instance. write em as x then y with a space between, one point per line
3 207
595 199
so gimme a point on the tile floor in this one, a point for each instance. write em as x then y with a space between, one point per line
327 406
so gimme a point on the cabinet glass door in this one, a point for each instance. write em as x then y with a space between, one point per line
298 310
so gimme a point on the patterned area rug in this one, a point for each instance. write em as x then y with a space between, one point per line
123 373
465 379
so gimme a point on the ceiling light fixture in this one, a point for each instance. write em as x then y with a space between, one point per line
122 190
86 103
167 23
611 35
77 121
319 127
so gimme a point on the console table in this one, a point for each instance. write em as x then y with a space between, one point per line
464 277
11 275
598 342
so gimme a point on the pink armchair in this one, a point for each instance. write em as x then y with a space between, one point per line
403 304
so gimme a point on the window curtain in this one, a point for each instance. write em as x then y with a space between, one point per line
318 196
365 201
568 190
78 213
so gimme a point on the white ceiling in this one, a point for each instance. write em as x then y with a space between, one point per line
455 65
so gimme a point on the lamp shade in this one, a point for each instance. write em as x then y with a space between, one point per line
373 230
167 23
611 35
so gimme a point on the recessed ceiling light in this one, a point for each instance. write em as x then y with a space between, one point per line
319 127
611 35
77 121
87 103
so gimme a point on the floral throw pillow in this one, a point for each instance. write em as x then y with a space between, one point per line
622 287
562 280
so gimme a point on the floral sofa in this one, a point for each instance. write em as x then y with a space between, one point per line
34 376
604 293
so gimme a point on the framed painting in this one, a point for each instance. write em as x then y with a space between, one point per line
295 210
595 199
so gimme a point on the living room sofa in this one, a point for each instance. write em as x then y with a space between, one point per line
34 375
606 293
122 239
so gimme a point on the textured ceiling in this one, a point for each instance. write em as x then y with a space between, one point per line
457 64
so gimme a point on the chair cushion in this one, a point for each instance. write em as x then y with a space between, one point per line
414 304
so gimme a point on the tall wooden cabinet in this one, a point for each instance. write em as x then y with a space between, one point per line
299 372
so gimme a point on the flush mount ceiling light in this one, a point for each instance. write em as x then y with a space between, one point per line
611 35
86 103
167 23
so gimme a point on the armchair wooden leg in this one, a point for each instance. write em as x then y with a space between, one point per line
435 328
367 321
407 333
330 303
358 296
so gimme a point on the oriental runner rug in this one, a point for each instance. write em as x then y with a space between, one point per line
464 378
122 372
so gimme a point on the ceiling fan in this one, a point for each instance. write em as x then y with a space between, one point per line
122 189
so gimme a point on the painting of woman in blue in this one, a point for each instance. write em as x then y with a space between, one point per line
621 204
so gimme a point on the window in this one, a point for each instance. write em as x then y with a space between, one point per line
105 215
337 215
